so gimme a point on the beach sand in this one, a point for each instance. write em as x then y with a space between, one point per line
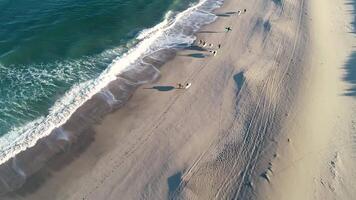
316 158
265 118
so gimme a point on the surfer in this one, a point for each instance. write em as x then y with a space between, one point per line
186 86
180 86
227 29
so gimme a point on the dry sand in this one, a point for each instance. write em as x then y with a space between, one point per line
319 162
265 118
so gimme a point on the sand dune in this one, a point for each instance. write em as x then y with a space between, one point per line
264 119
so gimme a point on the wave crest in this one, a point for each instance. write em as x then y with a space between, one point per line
174 32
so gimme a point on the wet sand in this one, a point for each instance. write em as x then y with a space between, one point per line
242 130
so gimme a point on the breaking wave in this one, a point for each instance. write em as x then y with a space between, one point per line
175 31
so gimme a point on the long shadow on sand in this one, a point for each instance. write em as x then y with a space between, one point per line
195 55
350 74
225 14
210 32
195 48
161 88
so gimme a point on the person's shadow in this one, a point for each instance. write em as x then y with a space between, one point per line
196 55
161 88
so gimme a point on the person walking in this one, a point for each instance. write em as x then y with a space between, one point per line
228 29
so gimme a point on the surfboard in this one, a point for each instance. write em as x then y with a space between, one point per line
188 85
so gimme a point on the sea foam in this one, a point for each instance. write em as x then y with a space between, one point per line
176 30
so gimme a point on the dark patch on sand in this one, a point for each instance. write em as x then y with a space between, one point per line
173 183
162 88
350 75
239 80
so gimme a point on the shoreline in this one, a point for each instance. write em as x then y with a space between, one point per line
175 148
239 131
135 66
102 102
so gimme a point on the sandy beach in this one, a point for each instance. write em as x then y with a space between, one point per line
316 159
266 118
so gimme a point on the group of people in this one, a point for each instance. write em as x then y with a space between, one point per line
243 11
182 86
203 43
227 29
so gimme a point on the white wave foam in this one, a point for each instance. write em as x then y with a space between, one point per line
26 84
171 32
108 97
149 31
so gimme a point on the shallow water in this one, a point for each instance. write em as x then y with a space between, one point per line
48 46
39 98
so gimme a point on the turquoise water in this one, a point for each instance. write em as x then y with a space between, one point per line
56 54
48 46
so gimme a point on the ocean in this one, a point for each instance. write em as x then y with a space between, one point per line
56 54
